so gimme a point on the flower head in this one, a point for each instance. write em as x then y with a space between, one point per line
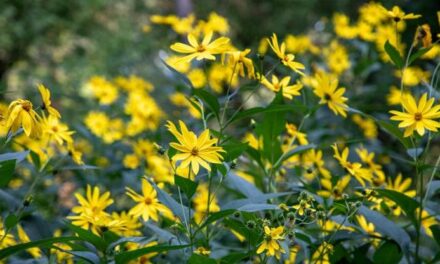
327 89
47 104
398 15
276 85
271 242
287 59
194 151
201 50
417 116
21 113
148 206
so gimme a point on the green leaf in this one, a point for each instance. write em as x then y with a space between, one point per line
387 227
270 129
43 243
209 99
297 150
88 236
240 228
11 220
251 112
435 229
395 131
125 257
418 54
7 168
199 259
215 217
389 253
234 149
234 257
35 159
188 186
394 54
408 204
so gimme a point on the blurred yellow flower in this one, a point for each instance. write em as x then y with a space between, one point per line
397 15
276 85
47 104
203 50
21 114
286 58
326 88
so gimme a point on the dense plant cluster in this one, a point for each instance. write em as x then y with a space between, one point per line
312 148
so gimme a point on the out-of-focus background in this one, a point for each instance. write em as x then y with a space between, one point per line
62 43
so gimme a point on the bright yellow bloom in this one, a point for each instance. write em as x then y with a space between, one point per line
335 191
289 91
417 116
398 15
130 223
195 151
326 88
6 240
90 212
55 130
21 113
238 61
271 244
203 50
337 58
353 168
106 92
47 104
202 251
148 206
399 185
197 78
286 58
367 125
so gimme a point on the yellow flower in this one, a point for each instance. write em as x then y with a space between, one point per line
369 228
55 130
130 223
335 191
90 212
276 85
271 244
105 91
24 238
6 240
148 206
399 185
321 255
354 168
21 113
367 125
200 202
131 161
424 35
238 61
203 50
75 154
195 151
427 221
326 88
337 58
417 116
398 15
394 97
202 251
286 58
47 104
197 78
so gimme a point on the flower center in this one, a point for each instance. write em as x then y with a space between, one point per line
27 106
327 97
418 116
148 201
195 152
201 48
